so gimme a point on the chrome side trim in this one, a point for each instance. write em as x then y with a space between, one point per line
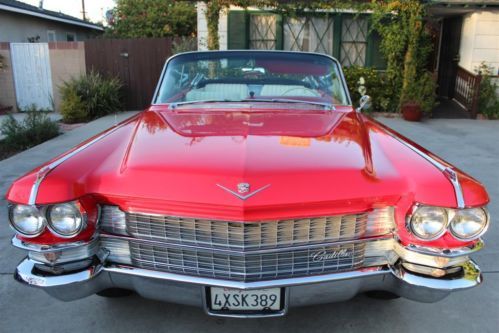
448 172
451 253
452 176
50 248
43 172
430 260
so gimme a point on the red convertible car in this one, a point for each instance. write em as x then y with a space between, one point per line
249 186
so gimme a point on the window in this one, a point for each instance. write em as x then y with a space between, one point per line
263 32
253 77
353 41
345 36
70 37
310 34
51 37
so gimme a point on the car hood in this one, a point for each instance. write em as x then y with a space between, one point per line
295 162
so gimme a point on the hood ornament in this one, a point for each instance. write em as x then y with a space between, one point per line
243 190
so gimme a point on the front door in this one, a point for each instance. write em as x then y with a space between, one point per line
449 56
32 76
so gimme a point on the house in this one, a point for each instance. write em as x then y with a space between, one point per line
40 50
466 34
343 34
21 23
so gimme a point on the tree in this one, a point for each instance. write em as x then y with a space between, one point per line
153 18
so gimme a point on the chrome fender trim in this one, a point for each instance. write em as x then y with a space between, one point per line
43 172
448 172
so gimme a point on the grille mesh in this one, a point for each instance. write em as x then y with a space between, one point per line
256 235
250 251
248 267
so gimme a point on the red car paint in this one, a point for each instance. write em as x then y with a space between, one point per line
316 162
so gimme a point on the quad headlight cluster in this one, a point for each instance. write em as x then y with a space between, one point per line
429 223
64 220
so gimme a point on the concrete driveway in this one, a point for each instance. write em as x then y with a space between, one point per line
470 145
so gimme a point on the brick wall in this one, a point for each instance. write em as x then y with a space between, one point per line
7 92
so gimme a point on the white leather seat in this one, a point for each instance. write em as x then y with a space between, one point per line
219 91
202 95
285 90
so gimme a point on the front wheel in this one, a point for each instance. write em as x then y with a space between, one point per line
381 295
114 293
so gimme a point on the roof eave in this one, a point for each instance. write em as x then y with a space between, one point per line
50 17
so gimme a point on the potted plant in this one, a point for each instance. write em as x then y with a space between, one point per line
419 98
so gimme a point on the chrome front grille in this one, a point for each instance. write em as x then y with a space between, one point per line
247 267
256 235
247 251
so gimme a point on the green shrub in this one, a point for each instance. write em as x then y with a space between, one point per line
423 92
184 44
89 97
368 81
36 128
488 99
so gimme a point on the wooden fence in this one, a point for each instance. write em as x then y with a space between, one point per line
136 62
467 90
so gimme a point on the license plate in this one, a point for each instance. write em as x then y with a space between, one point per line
245 300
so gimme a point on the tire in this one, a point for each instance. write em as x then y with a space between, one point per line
114 293
381 295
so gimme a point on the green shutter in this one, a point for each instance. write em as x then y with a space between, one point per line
375 57
237 38
279 43
337 36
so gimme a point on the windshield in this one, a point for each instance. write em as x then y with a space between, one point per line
239 76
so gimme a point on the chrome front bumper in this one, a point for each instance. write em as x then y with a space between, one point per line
190 290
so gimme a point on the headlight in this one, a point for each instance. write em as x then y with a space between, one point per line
469 224
429 223
65 219
26 220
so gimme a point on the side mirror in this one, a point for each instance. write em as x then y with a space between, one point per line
364 103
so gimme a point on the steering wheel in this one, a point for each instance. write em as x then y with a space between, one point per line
295 88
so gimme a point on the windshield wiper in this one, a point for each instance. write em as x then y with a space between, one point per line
286 100
175 104
270 100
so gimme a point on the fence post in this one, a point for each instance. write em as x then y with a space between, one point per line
476 96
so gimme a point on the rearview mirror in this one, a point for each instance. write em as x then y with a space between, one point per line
364 103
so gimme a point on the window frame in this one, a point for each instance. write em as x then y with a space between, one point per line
71 34
372 58
51 33
204 53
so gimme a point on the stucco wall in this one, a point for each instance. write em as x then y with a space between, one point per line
480 40
18 28
203 28
7 92
67 59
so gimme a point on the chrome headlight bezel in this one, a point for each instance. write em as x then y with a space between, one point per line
82 219
475 236
411 227
41 218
